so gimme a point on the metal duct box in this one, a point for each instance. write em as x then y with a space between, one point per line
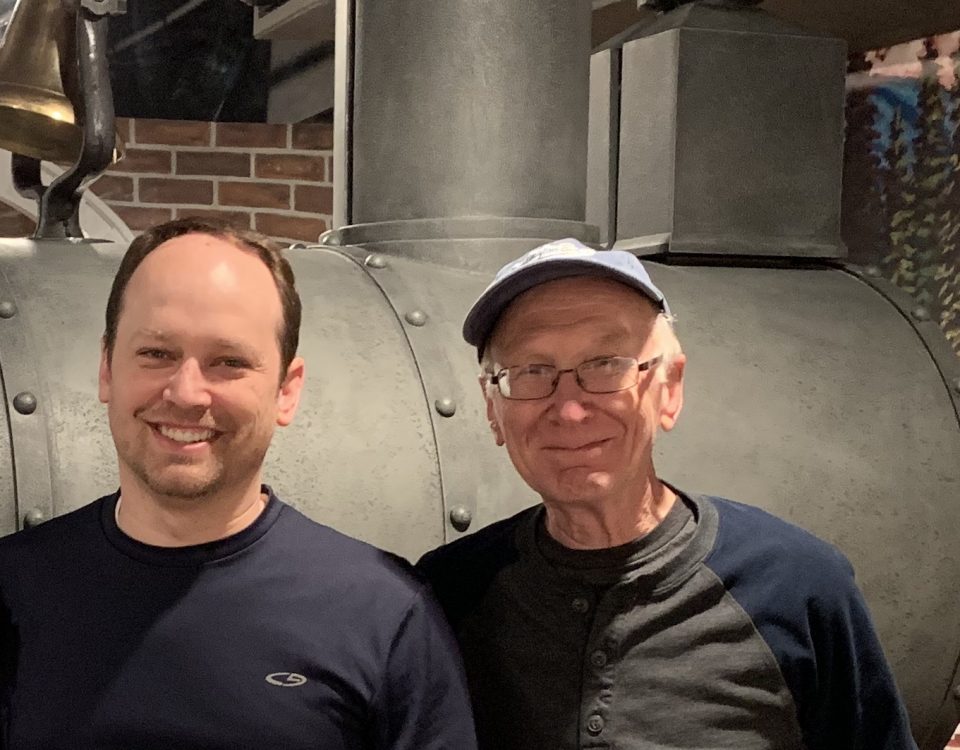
731 136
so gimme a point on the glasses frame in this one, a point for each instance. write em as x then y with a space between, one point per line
494 378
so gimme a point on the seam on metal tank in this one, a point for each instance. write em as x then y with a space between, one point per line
8 424
361 262
945 719
927 330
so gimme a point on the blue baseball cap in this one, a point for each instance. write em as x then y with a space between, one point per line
555 260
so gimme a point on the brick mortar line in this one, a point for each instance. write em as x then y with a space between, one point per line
293 213
252 150
219 177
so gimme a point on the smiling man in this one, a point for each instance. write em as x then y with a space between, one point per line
623 612
193 608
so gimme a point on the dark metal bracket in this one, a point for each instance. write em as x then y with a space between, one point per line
59 202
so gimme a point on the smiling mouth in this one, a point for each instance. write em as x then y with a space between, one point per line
185 435
582 447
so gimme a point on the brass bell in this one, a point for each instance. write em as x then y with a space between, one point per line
38 81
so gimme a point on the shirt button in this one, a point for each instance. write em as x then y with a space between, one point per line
598 658
595 724
580 605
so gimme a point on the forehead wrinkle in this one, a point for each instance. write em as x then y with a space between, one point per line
540 343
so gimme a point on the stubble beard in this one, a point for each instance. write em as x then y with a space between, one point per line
188 480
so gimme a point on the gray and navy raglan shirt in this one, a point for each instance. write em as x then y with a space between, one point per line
724 627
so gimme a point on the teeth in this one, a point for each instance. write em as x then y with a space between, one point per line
186 436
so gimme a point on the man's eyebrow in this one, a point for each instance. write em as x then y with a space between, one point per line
219 343
152 333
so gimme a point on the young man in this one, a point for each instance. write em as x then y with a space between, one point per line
193 608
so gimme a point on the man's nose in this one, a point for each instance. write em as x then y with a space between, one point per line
188 386
569 398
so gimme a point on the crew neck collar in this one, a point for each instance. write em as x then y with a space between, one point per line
192 555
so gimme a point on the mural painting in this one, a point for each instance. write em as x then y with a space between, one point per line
901 192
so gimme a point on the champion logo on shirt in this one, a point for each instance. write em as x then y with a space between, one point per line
286 679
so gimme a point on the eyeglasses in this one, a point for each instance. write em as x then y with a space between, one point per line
602 375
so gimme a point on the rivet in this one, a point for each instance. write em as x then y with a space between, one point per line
920 313
375 260
446 407
460 518
298 246
7 309
33 517
872 270
416 317
956 692
25 402
956 385
330 238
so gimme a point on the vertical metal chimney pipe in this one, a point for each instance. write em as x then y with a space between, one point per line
462 120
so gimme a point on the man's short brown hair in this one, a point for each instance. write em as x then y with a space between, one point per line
269 251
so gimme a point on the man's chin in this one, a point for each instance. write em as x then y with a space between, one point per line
580 485
181 485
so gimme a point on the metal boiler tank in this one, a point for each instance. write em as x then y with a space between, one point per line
814 390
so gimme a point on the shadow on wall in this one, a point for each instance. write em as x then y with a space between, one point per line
901 179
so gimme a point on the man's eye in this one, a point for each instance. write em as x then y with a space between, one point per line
154 354
532 371
232 362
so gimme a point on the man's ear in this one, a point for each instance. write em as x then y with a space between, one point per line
671 394
288 397
492 418
104 378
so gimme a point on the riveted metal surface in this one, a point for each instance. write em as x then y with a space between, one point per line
26 484
811 396
475 475
360 454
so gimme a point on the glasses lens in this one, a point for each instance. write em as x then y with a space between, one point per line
527 381
608 374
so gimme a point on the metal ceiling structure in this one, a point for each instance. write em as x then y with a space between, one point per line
863 24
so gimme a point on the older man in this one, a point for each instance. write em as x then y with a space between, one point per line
193 608
623 612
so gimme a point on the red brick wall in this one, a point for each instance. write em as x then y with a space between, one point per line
273 178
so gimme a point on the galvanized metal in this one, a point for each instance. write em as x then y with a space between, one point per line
421 148
429 239
603 143
731 136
